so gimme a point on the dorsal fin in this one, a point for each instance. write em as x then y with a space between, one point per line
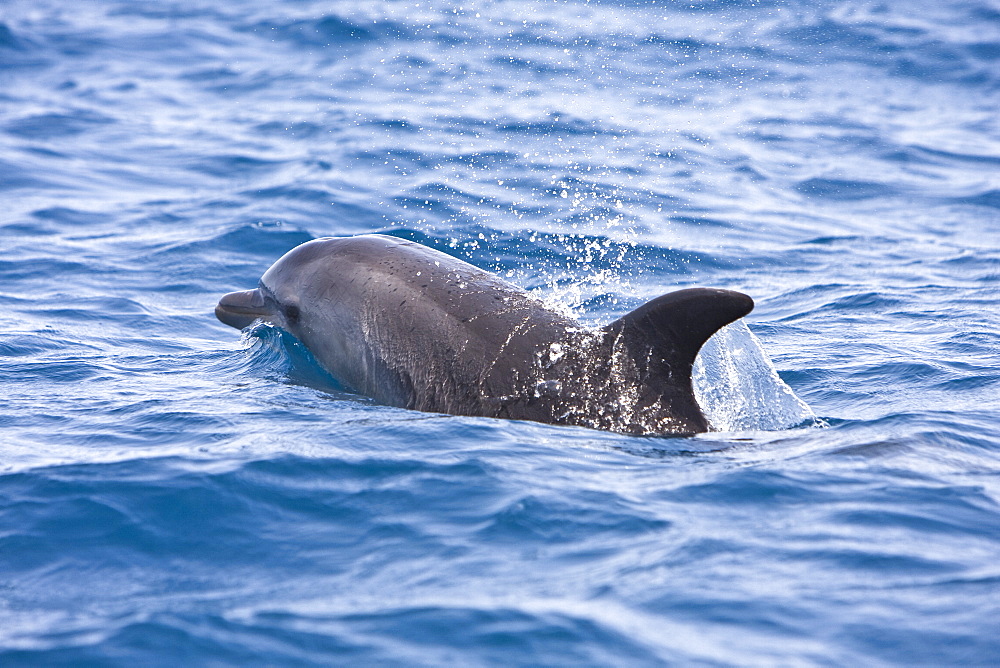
677 324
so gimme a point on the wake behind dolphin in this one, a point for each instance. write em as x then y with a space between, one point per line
413 327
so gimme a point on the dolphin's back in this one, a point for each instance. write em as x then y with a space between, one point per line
439 334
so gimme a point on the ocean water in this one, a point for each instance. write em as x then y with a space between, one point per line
174 493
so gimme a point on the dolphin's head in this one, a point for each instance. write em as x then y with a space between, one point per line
277 297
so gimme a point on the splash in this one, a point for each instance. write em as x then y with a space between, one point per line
285 358
738 387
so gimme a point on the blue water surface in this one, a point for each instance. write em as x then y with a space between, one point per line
174 494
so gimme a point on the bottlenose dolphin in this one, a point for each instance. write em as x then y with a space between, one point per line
410 326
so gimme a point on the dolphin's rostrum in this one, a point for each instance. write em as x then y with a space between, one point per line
413 327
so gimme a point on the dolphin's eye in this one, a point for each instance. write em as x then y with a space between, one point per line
291 313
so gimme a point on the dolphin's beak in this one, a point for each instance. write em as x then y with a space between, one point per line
240 309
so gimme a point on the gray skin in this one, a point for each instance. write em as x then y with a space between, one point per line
410 326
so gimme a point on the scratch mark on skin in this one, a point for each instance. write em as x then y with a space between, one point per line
510 337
